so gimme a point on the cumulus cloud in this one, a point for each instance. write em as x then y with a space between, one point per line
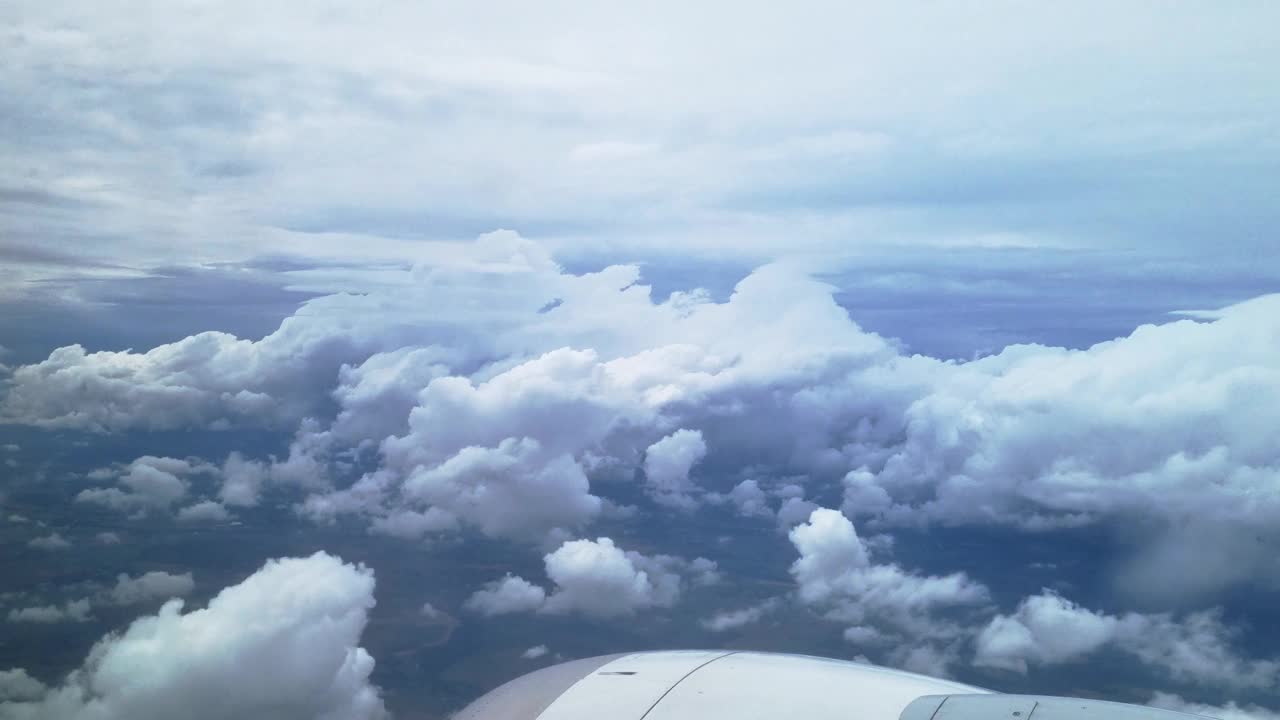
862 495
71 611
242 481
216 380
52 541
829 550
283 643
598 579
149 586
864 635
413 525
702 572
212 379
667 464
149 483
511 594
795 510
593 409
1160 427
18 685
512 490
1045 629
538 651
727 620
836 574
204 511
749 500
1048 629
377 395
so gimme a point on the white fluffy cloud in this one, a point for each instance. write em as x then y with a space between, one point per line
749 500
598 579
727 620
836 567
513 490
1047 629
203 511
242 481
413 525
148 483
150 390
511 594
216 380
667 464
515 450
836 574
283 643
1162 427
535 652
149 586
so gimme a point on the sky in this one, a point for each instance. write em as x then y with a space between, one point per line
361 357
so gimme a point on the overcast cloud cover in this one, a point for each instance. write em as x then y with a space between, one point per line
941 337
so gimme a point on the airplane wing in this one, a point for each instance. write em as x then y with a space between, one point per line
715 684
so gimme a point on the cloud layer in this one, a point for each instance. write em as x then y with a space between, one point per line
511 418
546 403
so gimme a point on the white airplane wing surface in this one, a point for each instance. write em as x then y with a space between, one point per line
730 685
